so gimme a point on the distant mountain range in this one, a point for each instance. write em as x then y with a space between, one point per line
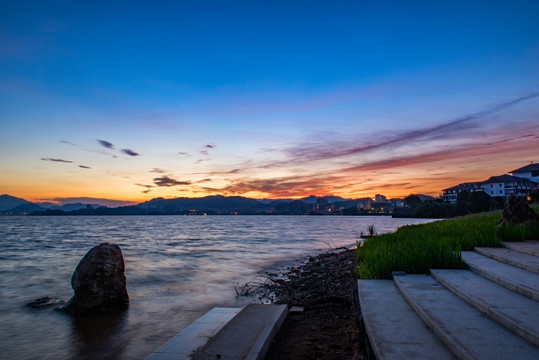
17 205
10 205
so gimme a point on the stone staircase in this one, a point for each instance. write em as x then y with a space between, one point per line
488 312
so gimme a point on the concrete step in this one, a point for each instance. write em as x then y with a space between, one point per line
467 332
395 331
227 334
514 311
247 336
512 257
524 282
529 247
195 335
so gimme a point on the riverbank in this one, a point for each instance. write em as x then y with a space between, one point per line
323 318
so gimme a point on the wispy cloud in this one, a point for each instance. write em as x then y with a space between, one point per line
158 171
204 152
404 185
84 167
168 181
291 186
130 152
57 160
209 146
456 152
106 144
64 141
455 128
182 153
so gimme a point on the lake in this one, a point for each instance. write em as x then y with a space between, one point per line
177 269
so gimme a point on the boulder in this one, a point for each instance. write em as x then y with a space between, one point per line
99 283
517 211
44 302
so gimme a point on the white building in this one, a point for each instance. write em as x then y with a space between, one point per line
504 185
530 172
380 198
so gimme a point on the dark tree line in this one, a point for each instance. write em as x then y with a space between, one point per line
467 203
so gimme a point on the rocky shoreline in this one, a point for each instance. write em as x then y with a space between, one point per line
323 319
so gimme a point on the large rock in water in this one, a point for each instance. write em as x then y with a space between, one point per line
99 282
517 211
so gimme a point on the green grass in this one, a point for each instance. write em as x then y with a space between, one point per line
416 249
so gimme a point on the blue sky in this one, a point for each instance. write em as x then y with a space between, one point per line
265 99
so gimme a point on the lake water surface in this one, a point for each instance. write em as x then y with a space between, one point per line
177 269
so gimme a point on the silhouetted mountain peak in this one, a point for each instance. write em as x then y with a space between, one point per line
8 202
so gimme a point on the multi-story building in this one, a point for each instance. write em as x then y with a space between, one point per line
450 194
504 185
530 172
499 186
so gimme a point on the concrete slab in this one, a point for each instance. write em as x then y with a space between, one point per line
514 311
530 246
512 257
524 282
246 336
466 331
195 335
394 329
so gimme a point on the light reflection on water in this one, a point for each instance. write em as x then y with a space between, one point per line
177 268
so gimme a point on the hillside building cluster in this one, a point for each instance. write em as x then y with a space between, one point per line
520 182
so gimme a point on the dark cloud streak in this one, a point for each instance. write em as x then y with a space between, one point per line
64 141
106 144
130 152
168 181
144 185
57 160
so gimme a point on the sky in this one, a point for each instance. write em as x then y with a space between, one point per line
135 100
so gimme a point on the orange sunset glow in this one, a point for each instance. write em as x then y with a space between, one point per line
95 116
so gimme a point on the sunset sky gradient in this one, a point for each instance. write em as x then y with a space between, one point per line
268 99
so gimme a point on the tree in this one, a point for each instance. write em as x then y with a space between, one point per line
412 201
478 201
462 197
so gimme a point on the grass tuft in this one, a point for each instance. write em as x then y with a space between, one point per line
416 249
